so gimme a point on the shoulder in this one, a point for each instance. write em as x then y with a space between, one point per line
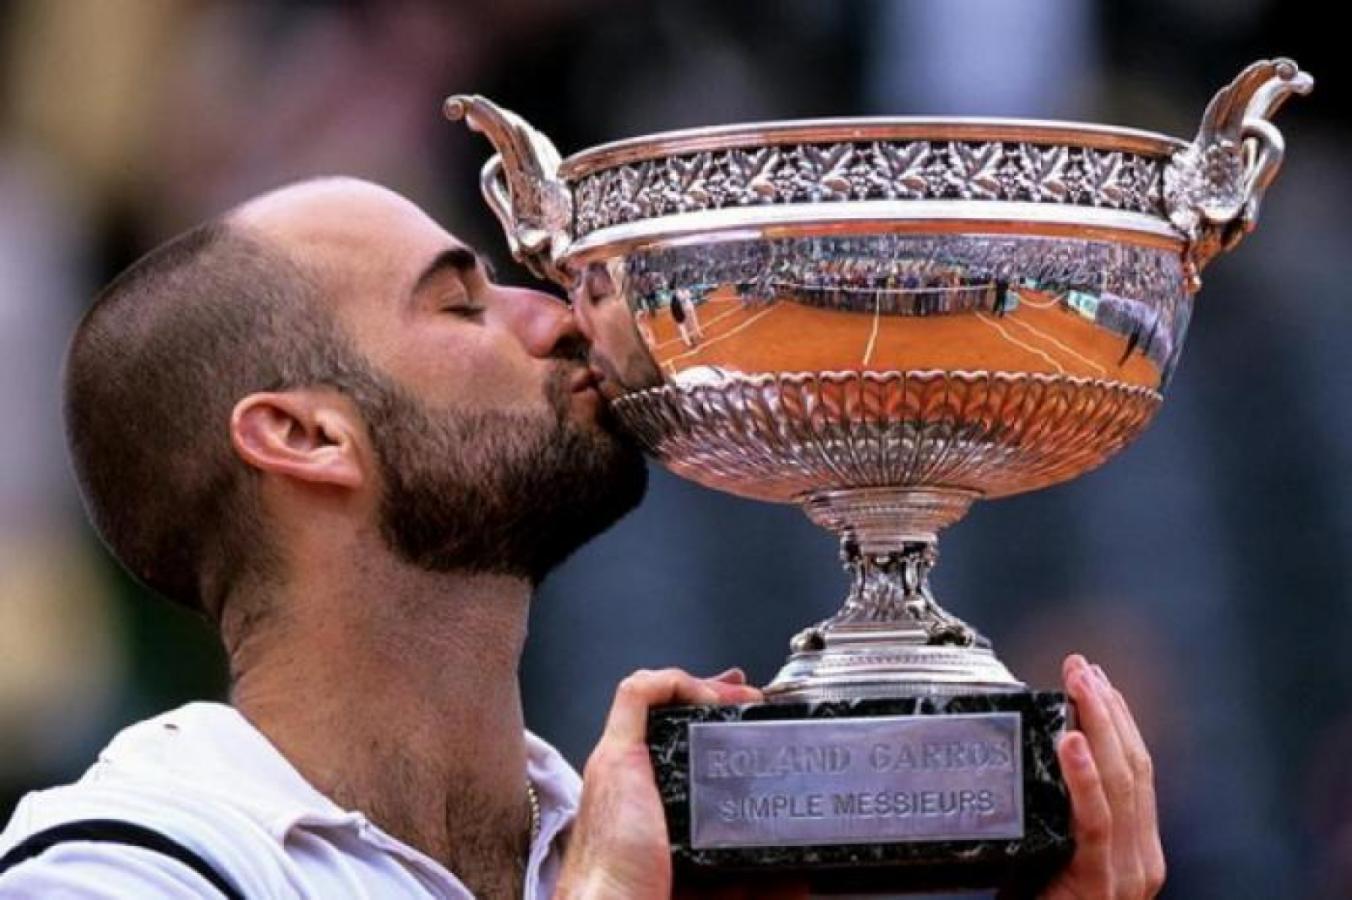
103 870
168 775
227 841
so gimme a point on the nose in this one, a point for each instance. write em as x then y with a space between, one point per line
544 323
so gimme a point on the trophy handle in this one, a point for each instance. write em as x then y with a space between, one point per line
1214 187
521 184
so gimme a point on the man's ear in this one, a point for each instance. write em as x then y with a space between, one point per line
309 435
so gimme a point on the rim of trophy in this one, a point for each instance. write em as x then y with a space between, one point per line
867 128
875 217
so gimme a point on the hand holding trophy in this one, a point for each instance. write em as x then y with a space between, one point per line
883 320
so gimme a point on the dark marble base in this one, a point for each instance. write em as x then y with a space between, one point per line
1017 865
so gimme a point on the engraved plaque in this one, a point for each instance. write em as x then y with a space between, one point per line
852 781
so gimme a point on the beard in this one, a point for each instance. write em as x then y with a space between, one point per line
499 492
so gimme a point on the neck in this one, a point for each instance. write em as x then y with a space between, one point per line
396 693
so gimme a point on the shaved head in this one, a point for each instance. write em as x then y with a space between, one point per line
333 225
232 307
152 373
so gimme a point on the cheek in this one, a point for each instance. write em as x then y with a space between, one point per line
490 373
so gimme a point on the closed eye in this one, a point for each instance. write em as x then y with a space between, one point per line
466 310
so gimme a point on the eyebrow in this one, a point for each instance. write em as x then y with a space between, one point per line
461 260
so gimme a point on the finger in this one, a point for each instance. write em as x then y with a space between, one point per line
1140 836
1072 664
741 692
1092 703
1093 861
1149 848
1144 828
1128 738
1092 700
735 693
628 719
644 689
730 676
732 687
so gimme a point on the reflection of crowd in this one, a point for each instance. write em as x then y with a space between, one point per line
902 286
1141 324
892 289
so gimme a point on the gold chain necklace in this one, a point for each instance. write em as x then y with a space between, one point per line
534 800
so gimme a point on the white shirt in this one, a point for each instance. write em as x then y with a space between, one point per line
206 778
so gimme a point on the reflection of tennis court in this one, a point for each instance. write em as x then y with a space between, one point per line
711 312
1040 335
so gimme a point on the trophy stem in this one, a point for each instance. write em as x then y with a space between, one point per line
891 637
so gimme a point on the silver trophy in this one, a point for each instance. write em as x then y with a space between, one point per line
883 320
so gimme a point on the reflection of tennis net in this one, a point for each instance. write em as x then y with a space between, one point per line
917 301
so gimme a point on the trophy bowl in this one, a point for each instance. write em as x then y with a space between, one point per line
882 320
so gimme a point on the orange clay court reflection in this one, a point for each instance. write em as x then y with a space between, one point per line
975 327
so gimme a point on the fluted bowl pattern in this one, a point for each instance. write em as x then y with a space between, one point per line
782 436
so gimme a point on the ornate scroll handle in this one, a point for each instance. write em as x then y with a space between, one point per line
521 184
1213 188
